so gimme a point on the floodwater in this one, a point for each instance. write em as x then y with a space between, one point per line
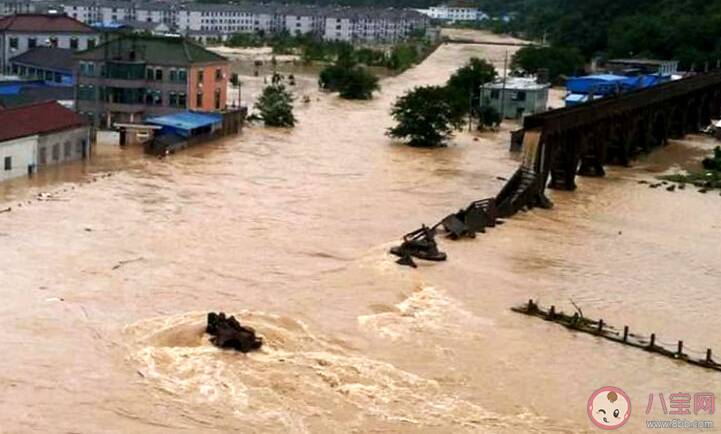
105 285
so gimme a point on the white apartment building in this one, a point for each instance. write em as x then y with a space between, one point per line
454 13
222 20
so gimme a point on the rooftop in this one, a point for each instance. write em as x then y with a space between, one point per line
648 62
518 83
43 23
186 120
39 118
159 50
58 59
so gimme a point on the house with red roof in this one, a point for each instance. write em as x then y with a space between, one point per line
22 32
40 134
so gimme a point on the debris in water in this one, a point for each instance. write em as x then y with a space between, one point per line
421 244
671 188
228 333
127 261
8 209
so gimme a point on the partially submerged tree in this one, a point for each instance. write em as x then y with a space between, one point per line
423 117
353 82
464 87
276 106
488 117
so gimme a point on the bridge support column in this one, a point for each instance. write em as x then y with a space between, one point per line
565 165
593 151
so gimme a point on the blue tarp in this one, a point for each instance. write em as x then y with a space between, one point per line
186 120
607 84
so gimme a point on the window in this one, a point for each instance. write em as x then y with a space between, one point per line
182 100
53 41
495 93
43 158
159 74
58 78
56 152
13 43
67 150
173 75
91 43
149 74
200 76
173 99
32 42
217 99
199 99
518 96
218 74
8 163
182 75
73 43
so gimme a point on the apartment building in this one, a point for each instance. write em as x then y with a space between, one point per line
221 20
20 33
454 13
135 76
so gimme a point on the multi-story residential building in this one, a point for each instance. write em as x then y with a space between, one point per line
12 7
221 20
134 76
454 13
20 33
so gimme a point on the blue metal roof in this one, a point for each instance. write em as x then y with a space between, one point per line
186 120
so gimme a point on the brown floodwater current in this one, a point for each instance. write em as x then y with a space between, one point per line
105 285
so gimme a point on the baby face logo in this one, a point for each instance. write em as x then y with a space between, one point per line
609 408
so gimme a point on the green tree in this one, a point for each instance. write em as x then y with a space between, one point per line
276 106
402 57
359 84
464 87
423 117
557 60
487 117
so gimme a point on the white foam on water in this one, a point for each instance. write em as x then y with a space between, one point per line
427 310
297 382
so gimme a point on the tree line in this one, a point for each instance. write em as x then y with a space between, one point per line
685 30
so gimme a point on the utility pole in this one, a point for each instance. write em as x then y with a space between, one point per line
503 89
470 110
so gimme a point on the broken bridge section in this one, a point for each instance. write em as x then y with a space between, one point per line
561 144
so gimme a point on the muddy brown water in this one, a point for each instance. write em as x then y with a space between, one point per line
105 286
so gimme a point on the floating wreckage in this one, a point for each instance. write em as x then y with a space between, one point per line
478 216
577 322
420 244
522 192
228 333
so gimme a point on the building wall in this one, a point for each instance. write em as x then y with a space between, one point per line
67 145
508 103
208 87
21 153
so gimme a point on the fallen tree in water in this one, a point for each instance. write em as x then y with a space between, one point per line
228 333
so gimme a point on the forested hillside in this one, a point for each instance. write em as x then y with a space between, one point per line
687 30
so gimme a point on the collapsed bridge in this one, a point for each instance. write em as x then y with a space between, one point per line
559 145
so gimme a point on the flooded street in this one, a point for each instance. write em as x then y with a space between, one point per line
105 289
